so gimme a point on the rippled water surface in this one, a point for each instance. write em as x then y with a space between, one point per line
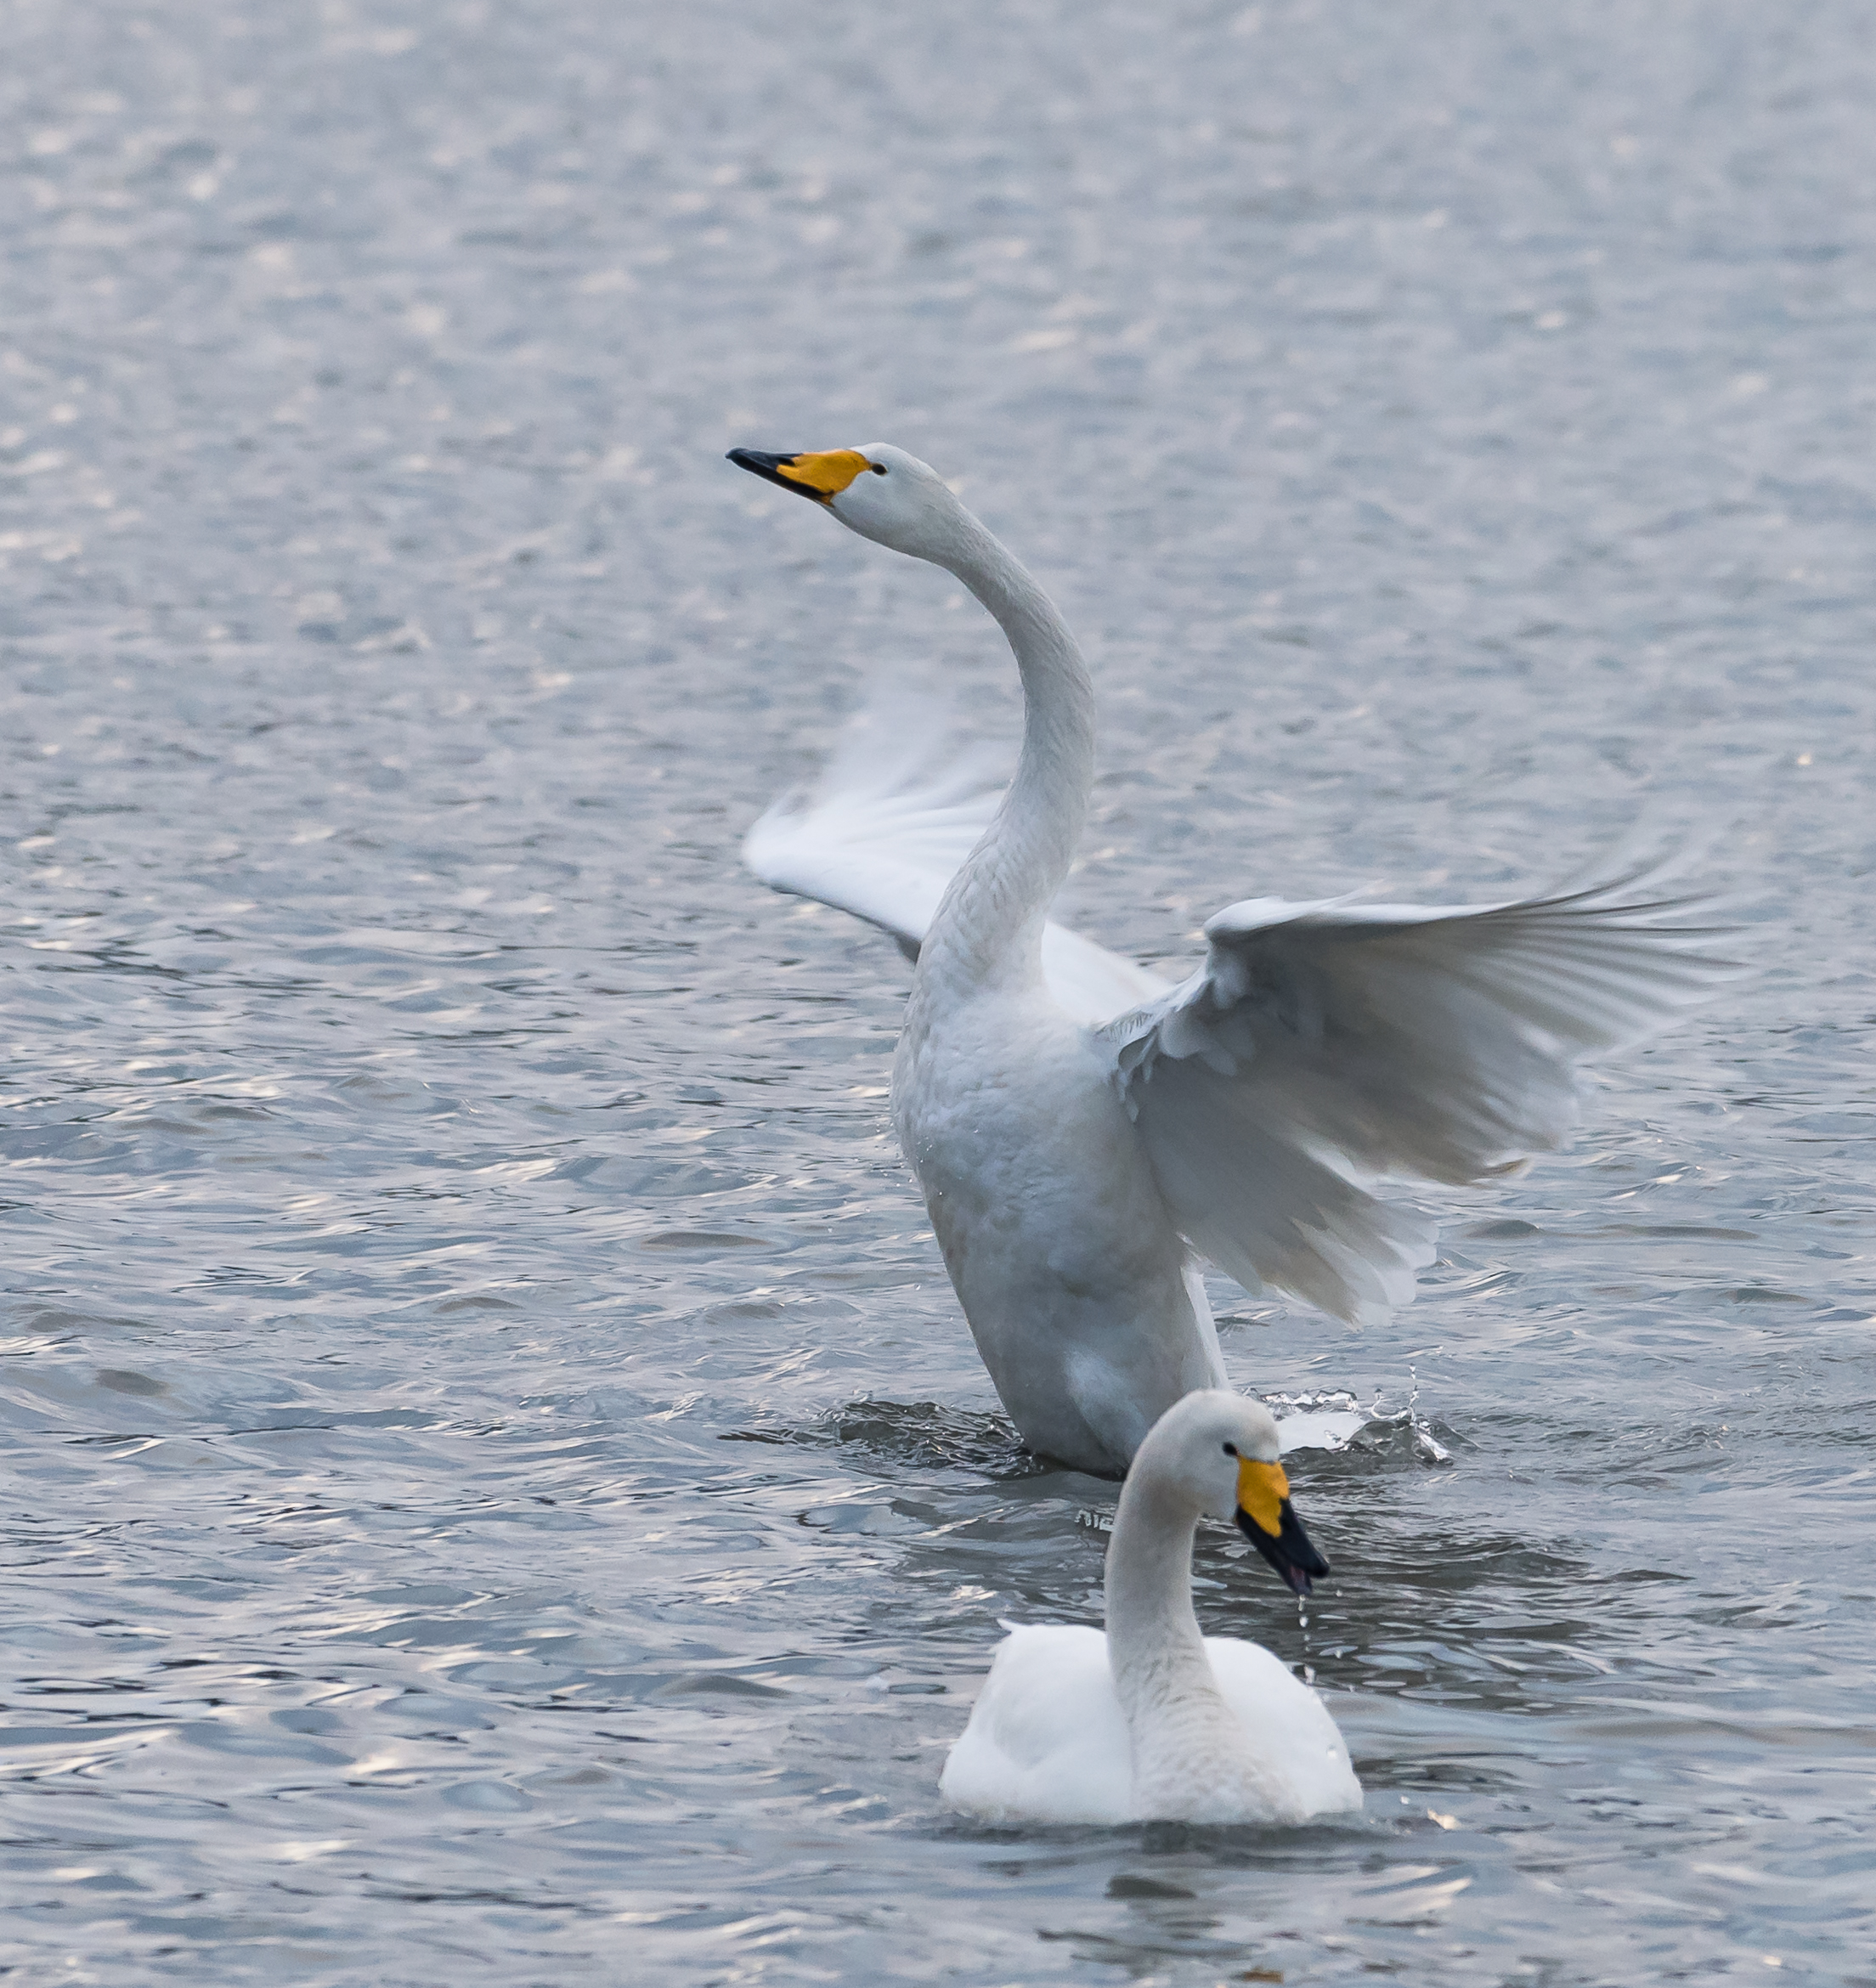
501 1490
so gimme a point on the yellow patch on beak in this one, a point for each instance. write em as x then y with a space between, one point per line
1262 1489
825 474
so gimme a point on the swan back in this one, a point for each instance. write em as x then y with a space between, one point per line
1304 1757
1047 1741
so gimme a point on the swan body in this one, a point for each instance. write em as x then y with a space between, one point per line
1084 1132
1045 1205
1149 1720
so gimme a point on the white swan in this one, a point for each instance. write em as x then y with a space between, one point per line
1151 1721
1082 1131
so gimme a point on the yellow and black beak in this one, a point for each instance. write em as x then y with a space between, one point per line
821 476
1265 1519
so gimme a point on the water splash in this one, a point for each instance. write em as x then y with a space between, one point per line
1332 1419
1327 1420
1425 1441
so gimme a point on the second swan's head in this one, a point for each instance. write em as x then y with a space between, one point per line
1223 1449
878 490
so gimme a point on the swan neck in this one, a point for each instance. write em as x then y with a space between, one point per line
1154 1649
989 928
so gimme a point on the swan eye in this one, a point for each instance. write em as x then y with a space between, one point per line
1230 1449
878 468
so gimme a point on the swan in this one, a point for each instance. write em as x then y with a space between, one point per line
1151 1721
1084 1132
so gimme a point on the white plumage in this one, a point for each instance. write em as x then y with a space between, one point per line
1149 1721
887 826
1081 1129
1047 1742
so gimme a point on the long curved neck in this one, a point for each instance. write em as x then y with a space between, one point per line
1152 1628
988 928
1180 1728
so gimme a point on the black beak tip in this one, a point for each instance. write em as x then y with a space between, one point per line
759 462
1296 1563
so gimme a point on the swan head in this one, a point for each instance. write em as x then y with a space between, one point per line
1222 1450
878 491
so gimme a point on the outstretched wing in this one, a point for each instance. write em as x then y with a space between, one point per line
1322 1045
886 826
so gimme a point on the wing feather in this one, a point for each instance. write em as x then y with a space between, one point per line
888 823
1322 1046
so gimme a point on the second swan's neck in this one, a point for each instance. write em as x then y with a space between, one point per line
1181 1731
988 929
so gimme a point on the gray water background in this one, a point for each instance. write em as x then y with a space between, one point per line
500 1489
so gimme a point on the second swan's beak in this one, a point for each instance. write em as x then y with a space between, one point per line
821 476
1266 1520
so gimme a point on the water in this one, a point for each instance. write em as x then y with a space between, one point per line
501 1492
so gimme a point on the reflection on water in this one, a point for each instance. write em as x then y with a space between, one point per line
503 1492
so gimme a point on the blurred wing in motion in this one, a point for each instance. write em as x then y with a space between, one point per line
1324 1045
888 822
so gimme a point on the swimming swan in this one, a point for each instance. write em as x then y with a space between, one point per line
1083 1132
1151 1721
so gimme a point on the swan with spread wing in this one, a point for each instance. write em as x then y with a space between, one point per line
1085 1131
